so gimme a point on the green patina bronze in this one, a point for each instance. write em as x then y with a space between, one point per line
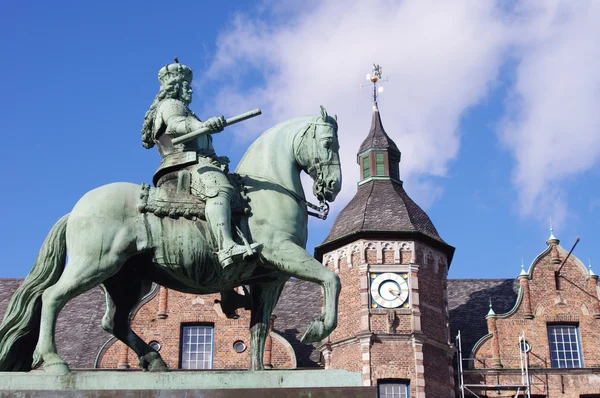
179 234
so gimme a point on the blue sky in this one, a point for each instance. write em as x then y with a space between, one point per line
495 109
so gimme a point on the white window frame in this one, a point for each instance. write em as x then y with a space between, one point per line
393 389
564 343
197 347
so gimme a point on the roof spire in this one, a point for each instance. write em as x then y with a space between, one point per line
378 155
590 267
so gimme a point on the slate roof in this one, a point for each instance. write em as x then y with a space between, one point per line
377 137
381 205
468 303
79 333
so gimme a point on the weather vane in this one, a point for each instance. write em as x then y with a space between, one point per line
375 77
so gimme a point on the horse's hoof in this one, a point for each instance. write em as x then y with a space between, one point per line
153 362
314 332
158 365
37 360
57 368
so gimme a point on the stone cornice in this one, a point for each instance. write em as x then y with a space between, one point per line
417 337
354 236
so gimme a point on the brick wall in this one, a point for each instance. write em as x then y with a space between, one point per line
348 311
393 360
348 357
438 379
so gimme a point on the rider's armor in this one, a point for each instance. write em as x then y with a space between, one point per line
173 118
198 151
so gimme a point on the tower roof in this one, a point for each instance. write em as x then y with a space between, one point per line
377 137
381 207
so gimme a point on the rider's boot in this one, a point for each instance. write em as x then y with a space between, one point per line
218 214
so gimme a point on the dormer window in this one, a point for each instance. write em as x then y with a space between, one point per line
366 167
378 156
379 164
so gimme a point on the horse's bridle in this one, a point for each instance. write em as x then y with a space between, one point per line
315 171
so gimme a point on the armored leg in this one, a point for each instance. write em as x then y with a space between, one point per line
218 214
218 194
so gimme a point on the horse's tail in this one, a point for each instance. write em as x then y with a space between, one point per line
19 331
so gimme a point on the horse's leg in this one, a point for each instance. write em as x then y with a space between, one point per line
78 277
294 260
264 298
124 293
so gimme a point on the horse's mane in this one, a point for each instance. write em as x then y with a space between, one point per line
304 122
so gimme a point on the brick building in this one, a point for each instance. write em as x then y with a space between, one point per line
398 313
547 341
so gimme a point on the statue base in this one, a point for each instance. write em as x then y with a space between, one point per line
188 383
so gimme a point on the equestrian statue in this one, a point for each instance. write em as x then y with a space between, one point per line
199 230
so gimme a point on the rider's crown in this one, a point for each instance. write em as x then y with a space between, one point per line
176 69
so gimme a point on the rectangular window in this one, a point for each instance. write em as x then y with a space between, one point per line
379 164
366 167
392 389
565 349
197 343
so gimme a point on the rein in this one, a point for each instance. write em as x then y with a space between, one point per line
322 208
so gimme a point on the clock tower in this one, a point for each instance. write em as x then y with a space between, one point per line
393 324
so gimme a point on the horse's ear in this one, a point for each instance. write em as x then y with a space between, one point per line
335 117
323 113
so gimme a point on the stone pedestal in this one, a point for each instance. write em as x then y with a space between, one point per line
209 383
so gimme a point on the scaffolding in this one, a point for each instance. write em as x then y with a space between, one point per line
522 390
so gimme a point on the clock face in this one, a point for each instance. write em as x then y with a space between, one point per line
388 290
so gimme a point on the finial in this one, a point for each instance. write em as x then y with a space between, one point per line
590 267
374 77
552 237
491 311
176 60
522 268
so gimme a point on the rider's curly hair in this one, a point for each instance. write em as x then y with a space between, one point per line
171 89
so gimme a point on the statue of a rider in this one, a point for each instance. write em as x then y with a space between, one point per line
170 117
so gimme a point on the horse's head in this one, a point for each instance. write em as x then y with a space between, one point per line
317 153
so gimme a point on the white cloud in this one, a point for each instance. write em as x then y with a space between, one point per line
553 123
440 58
